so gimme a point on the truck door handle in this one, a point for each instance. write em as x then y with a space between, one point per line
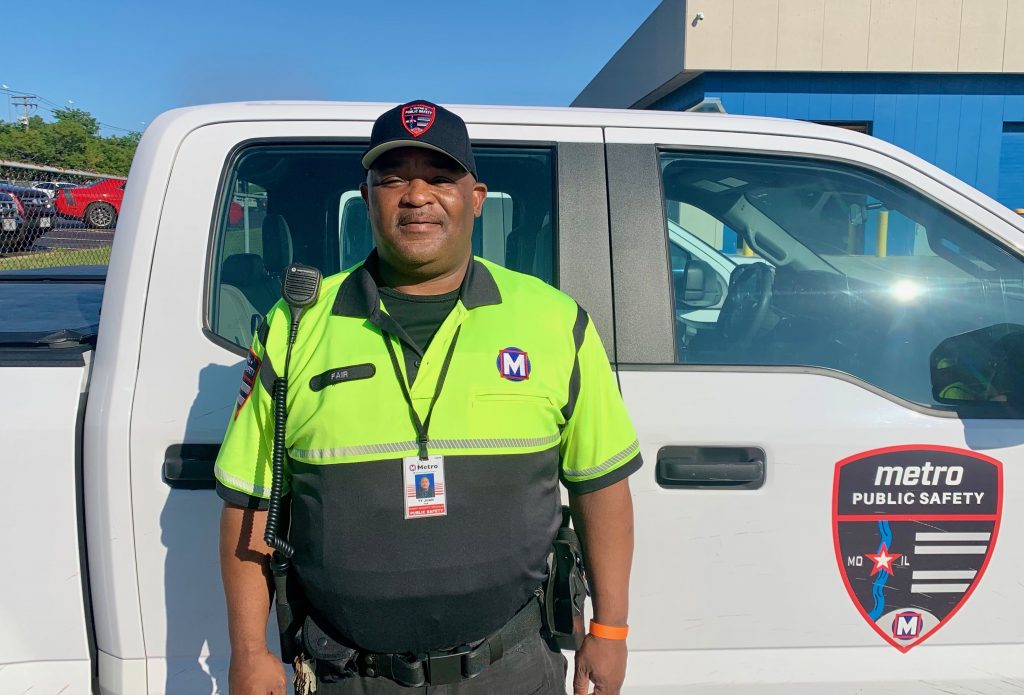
190 466
710 467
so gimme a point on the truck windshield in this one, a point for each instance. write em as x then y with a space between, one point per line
50 308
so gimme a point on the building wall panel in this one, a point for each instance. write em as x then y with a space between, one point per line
799 105
919 37
884 121
970 138
982 35
1013 49
906 117
819 105
755 34
863 107
953 121
707 44
801 27
938 26
841 107
990 142
949 131
922 36
1013 108
845 35
1011 166
891 35
755 104
776 105
926 135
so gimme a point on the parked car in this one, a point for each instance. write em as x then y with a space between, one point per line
97 204
833 429
52 187
11 223
37 210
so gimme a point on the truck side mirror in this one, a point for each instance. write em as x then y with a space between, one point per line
698 286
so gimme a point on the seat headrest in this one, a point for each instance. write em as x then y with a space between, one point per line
277 244
243 269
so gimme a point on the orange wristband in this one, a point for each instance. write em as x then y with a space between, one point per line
608 631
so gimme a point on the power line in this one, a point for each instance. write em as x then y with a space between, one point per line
16 94
53 111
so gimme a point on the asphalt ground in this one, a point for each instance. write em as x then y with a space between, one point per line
67 237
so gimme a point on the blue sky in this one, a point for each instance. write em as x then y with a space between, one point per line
125 62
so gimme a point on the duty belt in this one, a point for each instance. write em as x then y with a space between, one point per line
448 666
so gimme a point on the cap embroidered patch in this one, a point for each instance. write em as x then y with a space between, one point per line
252 368
513 364
417 118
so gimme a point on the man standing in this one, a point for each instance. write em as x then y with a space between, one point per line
425 360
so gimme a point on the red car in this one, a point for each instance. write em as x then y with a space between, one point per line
97 204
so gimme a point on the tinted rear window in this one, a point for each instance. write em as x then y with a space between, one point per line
37 305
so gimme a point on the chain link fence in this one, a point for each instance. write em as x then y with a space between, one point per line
52 218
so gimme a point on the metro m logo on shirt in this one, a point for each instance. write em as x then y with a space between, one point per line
513 364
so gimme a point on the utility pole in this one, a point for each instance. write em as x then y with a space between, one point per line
26 102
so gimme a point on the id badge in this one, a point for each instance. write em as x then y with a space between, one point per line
425 494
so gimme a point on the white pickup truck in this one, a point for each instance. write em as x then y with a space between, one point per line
820 339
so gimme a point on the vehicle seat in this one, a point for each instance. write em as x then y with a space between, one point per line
543 256
356 236
237 318
277 248
528 247
246 272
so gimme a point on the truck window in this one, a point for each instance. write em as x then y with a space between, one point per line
50 307
301 202
848 271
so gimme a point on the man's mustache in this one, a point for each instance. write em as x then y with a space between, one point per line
413 218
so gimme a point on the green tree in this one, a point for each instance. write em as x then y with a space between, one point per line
71 141
78 117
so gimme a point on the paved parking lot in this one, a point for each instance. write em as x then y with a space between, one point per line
74 237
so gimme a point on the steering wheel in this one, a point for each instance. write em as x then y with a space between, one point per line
747 304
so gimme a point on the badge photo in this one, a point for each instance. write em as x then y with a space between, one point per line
424 490
914 528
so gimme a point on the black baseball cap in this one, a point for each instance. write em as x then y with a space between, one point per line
421 124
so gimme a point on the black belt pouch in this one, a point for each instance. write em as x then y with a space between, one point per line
566 589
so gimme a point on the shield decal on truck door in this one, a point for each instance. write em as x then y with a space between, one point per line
914 528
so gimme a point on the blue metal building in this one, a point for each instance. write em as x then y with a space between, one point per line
943 79
970 125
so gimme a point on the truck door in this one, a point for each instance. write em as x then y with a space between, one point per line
234 217
832 482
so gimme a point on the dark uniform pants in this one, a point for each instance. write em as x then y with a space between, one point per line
529 668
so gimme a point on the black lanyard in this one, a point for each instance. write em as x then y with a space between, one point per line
423 426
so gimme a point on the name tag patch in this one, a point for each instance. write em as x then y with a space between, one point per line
341 374
252 368
425 493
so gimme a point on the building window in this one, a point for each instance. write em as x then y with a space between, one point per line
855 126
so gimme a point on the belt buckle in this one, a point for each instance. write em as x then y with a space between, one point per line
445 668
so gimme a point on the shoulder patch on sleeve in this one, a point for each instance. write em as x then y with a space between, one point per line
252 369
